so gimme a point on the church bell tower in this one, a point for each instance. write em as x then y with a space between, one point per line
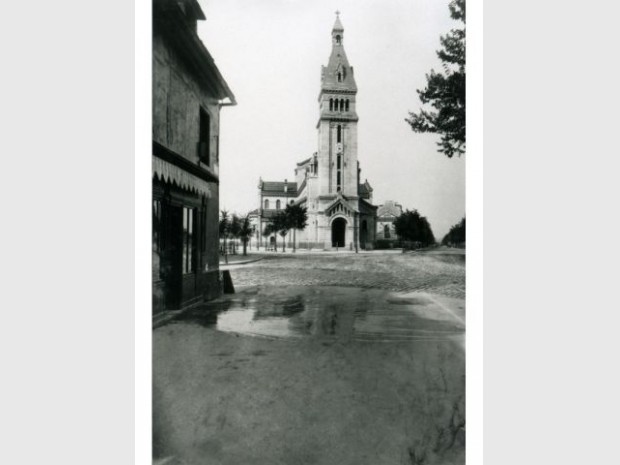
337 125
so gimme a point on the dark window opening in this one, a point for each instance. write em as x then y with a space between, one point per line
189 218
203 232
346 105
157 239
266 204
339 161
339 134
277 204
331 104
204 137
339 76
338 39
386 231
341 104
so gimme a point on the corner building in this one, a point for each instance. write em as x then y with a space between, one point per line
188 93
340 210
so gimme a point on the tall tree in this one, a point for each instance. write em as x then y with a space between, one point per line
235 228
445 92
413 227
456 235
245 232
282 224
269 231
298 219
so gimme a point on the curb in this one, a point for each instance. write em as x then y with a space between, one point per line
245 262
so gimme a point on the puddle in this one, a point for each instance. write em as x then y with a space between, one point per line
325 312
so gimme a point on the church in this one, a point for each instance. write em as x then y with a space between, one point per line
328 183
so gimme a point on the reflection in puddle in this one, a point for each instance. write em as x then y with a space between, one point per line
327 312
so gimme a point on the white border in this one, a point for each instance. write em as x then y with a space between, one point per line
474 201
143 296
474 193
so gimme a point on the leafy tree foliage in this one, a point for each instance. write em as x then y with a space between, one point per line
411 226
270 230
456 235
445 92
282 225
245 232
298 219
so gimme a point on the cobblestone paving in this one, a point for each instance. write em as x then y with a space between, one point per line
436 273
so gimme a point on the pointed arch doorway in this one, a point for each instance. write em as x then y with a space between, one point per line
339 227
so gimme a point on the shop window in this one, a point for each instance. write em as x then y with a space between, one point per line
188 239
157 239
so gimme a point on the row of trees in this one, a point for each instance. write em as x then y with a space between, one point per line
293 217
456 235
232 226
413 227
235 227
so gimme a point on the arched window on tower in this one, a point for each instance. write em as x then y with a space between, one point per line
339 134
341 104
277 204
266 204
336 105
339 76
331 104
346 105
338 39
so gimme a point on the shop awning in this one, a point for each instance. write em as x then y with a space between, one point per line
167 172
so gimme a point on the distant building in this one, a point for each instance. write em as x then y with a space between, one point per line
386 215
188 92
340 210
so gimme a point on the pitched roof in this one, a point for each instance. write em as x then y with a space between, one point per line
364 190
277 188
390 207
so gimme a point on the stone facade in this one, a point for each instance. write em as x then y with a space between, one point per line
340 210
386 215
188 92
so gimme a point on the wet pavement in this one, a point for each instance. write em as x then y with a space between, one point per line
323 374
329 312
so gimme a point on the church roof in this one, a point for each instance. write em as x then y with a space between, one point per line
303 162
364 191
390 208
277 188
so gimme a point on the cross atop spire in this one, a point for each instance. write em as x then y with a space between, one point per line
338 24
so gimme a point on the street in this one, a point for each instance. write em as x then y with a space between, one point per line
318 359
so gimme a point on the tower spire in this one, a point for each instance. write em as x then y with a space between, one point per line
337 25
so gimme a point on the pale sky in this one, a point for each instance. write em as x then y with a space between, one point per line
270 52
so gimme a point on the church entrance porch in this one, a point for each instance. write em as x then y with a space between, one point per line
339 227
